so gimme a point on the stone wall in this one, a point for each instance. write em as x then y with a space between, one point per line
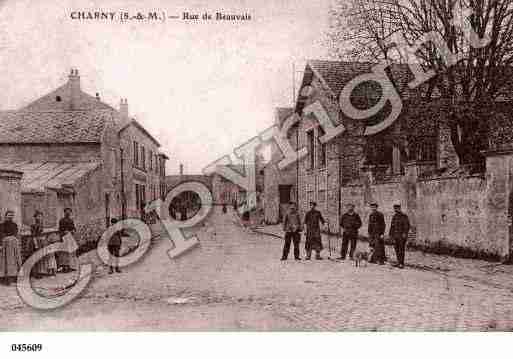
459 215
149 178
225 191
51 152
321 183
274 177
451 213
89 206
384 194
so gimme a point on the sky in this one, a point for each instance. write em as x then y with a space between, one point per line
202 88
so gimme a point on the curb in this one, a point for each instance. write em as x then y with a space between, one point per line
267 233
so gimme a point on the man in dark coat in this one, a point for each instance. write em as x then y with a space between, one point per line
350 222
66 226
399 228
376 230
114 248
9 227
292 227
313 219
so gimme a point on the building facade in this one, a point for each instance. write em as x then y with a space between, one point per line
453 207
72 151
280 184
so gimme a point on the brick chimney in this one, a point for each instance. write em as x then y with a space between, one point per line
74 89
123 109
181 169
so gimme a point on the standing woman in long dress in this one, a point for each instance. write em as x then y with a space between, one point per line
66 226
10 252
313 242
46 265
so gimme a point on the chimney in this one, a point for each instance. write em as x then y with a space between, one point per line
123 109
97 96
181 169
74 89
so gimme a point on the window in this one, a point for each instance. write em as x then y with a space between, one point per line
113 163
322 148
378 151
137 197
284 192
310 146
143 158
143 195
156 164
423 149
150 157
136 154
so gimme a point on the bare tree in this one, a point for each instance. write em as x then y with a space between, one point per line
361 29
480 73
471 83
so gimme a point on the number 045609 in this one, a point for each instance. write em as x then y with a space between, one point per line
26 347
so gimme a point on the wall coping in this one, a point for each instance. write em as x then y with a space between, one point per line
504 152
352 185
10 173
393 181
419 163
450 178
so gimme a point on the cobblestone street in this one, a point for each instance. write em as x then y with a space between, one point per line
235 281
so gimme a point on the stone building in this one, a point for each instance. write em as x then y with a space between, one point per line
280 185
74 150
225 191
144 165
452 206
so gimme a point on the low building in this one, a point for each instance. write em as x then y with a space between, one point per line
76 151
280 184
452 207
10 193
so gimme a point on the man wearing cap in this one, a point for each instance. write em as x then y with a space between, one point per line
350 223
399 228
376 230
292 227
313 219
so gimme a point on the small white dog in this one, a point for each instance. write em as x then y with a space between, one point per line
360 256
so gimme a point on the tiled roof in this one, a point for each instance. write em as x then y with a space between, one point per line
56 175
53 126
336 74
49 101
125 124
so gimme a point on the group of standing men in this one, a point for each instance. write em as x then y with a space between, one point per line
350 224
11 253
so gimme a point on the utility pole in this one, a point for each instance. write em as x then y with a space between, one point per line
293 83
297 131
123 198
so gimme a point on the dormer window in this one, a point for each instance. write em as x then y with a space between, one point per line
58 98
